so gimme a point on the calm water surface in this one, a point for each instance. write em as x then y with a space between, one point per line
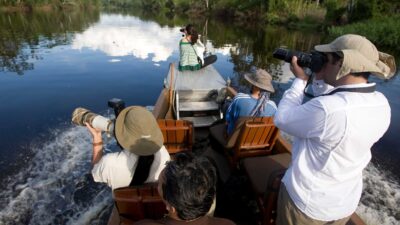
52 63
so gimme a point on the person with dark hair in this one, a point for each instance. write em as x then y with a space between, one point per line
189 59
188 187
333 132
143 157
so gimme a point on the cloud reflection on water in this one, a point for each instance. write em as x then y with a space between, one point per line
118 35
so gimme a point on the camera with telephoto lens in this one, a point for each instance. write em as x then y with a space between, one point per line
313 60
80 116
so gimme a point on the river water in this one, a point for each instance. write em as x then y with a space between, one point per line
52 63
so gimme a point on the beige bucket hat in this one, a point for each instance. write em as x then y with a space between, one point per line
261 79
137 130
360 55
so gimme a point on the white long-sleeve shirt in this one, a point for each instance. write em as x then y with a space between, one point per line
117 169
333 137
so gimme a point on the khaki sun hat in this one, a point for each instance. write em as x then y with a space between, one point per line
360 55
261 79
137 130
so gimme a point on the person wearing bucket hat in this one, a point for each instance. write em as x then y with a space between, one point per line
143 157
333 133
256 104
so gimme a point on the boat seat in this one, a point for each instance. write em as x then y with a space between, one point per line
251 137
178 134
137 203
265 174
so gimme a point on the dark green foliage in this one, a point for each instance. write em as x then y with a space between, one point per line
381 31
362 10
53 3
335 11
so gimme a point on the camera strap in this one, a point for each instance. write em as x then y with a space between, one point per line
368 89
142 170
198 57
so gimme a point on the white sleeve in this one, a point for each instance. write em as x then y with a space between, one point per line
199 48
297 119
102 170
160 160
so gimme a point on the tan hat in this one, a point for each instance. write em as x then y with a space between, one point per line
360 55
261 79
137 130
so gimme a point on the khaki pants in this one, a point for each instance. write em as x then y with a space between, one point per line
289 214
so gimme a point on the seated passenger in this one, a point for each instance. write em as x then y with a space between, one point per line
188 186
256 104
143 157
188 57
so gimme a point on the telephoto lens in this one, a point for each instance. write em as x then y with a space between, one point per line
314 60
80 116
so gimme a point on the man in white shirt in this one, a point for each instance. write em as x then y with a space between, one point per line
333 133
143 157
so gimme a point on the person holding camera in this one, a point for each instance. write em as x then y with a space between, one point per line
143 157
333 133
191 51
187 185
189 59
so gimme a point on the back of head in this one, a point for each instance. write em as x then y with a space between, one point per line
192 32
189 185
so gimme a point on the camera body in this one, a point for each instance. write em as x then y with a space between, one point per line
182 30
313 60
80 116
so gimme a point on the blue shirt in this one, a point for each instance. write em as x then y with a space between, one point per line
242 105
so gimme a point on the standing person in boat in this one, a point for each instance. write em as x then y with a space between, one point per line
187 185
255 104
143 157
333 133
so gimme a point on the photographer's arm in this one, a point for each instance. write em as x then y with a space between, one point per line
97 144
297 119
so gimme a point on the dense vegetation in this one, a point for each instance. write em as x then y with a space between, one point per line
30 4
376 19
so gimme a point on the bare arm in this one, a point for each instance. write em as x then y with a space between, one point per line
97 144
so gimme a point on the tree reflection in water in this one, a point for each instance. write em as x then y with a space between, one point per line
22 35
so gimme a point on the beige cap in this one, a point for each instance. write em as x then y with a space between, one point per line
360 55
137 130
261 79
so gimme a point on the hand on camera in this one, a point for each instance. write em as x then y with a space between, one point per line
96 134
297 70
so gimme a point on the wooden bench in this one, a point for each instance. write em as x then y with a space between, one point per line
137 203
251 137
178 135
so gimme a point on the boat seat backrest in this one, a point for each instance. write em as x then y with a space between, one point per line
137 203
253 137
178 135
